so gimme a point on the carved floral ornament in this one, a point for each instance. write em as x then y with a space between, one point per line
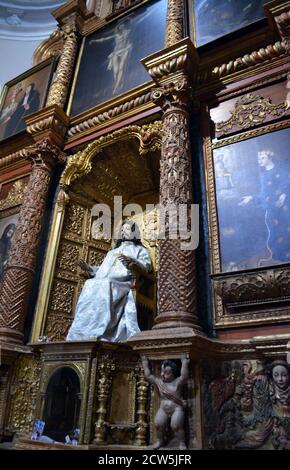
267 284
251 110
80 164
15 195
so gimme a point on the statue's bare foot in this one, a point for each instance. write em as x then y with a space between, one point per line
182 446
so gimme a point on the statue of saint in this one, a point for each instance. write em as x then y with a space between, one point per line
106 309
172 406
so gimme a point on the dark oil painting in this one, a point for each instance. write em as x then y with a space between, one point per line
110 63
252 180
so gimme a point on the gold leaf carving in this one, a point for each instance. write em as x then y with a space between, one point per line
62 297
68 257
95 257
251 110
57 327
79 164
74 219
15 195
267 284
24 390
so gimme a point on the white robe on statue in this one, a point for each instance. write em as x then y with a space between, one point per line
106 308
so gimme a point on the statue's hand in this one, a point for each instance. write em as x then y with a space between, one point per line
185 358
85 266
127 262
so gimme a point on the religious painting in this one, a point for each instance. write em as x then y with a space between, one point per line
22 96
216 18
110 62
7 230
252 181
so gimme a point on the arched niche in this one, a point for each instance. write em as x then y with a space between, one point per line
124 163
62 403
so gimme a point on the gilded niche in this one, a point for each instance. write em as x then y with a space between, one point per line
67 282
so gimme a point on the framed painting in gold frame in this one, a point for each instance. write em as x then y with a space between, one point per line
24 95
248 191
109 62
213 19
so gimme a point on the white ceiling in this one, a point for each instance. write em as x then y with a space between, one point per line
27 19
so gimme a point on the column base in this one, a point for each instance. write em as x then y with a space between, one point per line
169 342
176 319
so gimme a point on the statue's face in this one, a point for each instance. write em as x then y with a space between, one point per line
127 232
280 376
167 374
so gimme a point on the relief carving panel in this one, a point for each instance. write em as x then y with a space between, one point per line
24 390
62 297
247 404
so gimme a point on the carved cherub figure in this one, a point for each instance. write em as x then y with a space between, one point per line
172 405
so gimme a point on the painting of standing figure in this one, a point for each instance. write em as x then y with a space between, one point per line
110 63
252 180
7 230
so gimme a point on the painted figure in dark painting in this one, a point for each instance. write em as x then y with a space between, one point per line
5 245
273 199
8 111
29 103
118 58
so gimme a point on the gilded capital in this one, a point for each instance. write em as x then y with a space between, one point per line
44 154
174 95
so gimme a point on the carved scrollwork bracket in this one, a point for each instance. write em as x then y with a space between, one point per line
266 285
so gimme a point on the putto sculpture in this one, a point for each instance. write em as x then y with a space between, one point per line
171 409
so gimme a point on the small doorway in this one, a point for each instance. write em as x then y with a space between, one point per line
62 404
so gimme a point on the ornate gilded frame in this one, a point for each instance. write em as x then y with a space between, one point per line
136 100
236 298
10 205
